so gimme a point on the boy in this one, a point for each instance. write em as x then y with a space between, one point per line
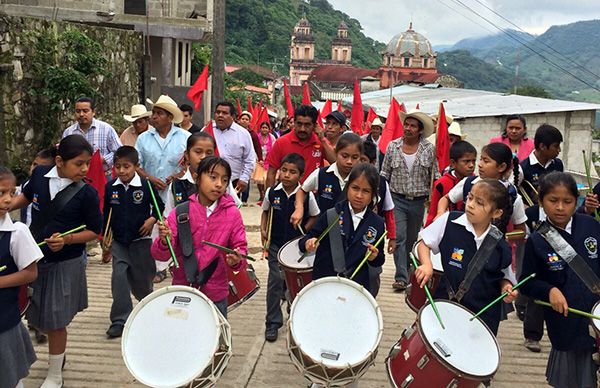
42 158
463 157
281 199
542 160
128 204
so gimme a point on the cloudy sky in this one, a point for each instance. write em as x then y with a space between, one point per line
447 21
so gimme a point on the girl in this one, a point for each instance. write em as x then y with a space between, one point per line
570 361
266 140
515 137
328 182
61 201
213 217
359 226
199 146
457 236
18 267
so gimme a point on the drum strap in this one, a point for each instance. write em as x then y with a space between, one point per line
477 263
186 243
568 254
336 244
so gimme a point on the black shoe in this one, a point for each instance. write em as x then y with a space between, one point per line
114 331
271 335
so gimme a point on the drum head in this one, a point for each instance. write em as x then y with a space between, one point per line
170 337
336 322
436 259
289 254
467 346
596 311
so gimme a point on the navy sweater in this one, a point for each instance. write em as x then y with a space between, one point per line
282 230
9 305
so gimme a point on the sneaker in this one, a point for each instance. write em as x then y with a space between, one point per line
114 331
533 346
271 335
399 286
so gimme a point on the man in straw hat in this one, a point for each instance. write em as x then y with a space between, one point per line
161 149
408 167
373 136
139 119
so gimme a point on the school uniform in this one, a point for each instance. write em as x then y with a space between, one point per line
570 362
60 290
533 171
384 209
133 267
18 250
357 230
282 231
328 184
453 236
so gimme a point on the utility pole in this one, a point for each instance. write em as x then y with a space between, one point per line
218 53
516 88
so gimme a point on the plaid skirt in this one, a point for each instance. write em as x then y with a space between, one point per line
572 369
16 355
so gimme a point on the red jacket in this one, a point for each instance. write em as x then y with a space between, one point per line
441 187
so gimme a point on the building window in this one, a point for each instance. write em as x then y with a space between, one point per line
307 53
425 62
344 55
406 62
135 7
183 63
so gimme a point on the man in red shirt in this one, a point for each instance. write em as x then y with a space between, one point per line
303 140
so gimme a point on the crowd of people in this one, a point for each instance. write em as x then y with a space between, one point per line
308 174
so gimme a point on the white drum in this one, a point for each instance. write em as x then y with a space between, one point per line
595 322
176 337
297 275
334 330
436 258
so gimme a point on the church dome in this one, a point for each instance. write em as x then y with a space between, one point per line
303 23
409 42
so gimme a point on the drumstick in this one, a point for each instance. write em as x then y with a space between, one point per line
501 296
364 260
269 227
160 218
514 235
227 250
301 230
589 179
433 306
322 236
2 268
77 229
571 310
108 222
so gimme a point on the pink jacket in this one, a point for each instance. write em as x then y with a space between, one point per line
224 227
525 148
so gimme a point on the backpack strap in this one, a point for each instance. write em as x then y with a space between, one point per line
335 243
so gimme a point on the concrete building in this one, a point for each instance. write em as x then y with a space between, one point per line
482 114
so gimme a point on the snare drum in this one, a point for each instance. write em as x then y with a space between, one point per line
297 275
463 355
334 330
242 286
415 295
176 337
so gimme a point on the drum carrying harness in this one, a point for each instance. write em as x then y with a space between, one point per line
476 264
186 243
335 243
568 254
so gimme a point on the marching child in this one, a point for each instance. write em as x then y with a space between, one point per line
463 157
42 158
280 200
128 203
61 202
18 267
329 182
457 236
358 228
570 361
213 217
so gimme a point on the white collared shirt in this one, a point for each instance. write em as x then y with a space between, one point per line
135 182
312 182
313 206
210 209
357 217
23 247
567 228
533 160
56 184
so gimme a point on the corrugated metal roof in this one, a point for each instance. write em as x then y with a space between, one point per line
463 103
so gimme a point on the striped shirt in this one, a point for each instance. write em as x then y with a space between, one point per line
102 136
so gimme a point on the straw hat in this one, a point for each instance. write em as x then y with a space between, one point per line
449 118
377 122
138 111
420 116
247 114
167 103
454 129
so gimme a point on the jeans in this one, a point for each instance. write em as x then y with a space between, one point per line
275 290
409 219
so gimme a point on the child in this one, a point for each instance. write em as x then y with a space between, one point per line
457 236
266 140
359 227
128 202
570 361
61 202
542 160
463 157
328 182
213 217
42 158
281 200
18 267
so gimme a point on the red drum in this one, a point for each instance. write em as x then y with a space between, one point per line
24 294
297 275
463 355
242 286
415 295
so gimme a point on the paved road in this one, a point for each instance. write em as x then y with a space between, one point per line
94 361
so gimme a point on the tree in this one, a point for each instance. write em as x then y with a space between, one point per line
533 91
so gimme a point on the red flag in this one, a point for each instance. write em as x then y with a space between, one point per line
442 140
320 119
340 107
371 116
249 104
239 107
198 88
256 115
324 112
96 177
306 94
417 107
288 99
358 115
262 117
393 128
